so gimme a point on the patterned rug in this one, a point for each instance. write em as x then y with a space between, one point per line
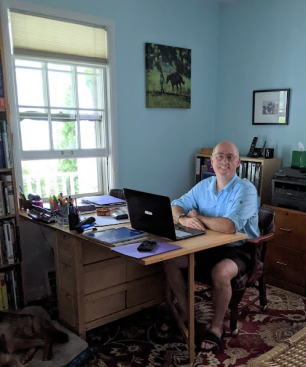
140 340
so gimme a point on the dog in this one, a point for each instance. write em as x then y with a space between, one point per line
27 333
8 360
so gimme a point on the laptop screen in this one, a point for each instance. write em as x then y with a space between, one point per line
150 213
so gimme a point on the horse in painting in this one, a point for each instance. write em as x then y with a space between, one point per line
175 79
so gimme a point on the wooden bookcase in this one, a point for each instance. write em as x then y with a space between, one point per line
11 294
263 170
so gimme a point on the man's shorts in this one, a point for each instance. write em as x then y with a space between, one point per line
207 259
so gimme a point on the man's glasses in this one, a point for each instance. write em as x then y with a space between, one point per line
222 156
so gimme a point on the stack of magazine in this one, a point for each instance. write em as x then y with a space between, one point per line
116 236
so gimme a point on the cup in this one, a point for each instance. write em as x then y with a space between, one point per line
269 153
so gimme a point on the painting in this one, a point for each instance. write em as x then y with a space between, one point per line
168 76
271 107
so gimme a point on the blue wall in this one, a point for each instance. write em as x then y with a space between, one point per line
261 46
157 147
238 47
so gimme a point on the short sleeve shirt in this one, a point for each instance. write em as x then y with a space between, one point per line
238 201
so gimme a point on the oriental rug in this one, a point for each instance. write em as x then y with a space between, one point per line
140 340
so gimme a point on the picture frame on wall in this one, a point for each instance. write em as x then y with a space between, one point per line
168 76
271 107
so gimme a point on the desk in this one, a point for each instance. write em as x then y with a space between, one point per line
96 285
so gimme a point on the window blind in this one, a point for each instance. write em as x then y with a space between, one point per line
34 35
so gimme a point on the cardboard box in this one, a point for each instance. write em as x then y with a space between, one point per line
207 151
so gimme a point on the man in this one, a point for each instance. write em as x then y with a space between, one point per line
224 203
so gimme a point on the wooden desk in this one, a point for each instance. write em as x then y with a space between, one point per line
96 285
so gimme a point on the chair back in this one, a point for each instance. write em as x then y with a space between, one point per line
266 220
117 193
266 224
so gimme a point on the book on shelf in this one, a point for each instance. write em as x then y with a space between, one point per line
2 199
4 305
8 193
6 139
2 158
8 239
10 290
8 242
2 96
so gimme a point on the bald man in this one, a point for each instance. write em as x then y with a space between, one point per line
223 203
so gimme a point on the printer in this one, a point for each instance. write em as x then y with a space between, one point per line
289 188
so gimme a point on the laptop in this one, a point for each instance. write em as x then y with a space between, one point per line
152 213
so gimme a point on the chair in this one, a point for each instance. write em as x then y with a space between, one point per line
266 223
117 193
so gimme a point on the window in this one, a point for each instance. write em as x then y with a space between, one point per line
62 105
61 111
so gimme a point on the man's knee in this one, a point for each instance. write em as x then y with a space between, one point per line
224 271
177 263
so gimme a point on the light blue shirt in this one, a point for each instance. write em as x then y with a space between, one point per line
238 201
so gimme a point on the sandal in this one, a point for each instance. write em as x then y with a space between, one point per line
211 337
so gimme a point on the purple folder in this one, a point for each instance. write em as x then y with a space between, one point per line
102 200
131 249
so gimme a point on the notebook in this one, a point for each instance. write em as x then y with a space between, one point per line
115 236
152 213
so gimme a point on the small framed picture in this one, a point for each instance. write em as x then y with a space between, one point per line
271 107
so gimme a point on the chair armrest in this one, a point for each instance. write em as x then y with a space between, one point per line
264 238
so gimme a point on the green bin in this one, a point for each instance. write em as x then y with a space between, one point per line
298 159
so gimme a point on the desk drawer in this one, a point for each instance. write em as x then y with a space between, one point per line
104 306
104 274
151 288
135 270
93 252
286 264
290 229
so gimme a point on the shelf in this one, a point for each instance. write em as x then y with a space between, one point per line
5 266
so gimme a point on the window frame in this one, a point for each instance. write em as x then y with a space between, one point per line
110 102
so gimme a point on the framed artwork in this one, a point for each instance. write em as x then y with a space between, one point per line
271 107
168 76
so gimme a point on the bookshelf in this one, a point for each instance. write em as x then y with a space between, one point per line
11 295
258 170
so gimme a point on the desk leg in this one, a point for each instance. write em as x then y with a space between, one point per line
191 287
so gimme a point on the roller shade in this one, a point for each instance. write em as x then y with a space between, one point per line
39 36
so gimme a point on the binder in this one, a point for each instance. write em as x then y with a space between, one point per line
249 169
257 175
244 169
253 172
199 163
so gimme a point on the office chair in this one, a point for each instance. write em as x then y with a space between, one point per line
117 193
266 223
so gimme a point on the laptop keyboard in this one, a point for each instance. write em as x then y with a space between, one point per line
181 234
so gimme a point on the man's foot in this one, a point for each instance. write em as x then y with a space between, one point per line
211 340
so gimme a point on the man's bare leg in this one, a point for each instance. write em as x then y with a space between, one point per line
222 274
177 282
